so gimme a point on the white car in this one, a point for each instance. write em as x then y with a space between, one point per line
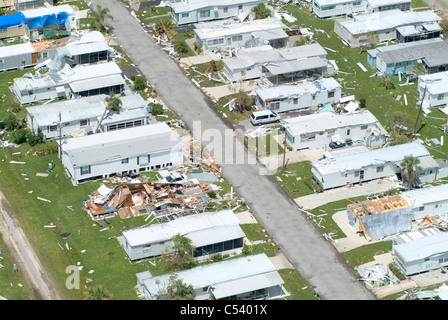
262 117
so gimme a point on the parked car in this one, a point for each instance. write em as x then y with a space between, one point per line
262 117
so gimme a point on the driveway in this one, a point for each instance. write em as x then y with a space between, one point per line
315 258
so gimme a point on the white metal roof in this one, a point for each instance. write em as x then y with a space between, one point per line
321 122
97 82
18 49
394 154
191 5
298 89
71 110
437 83
423 247
384 20
219 273
423 196
119 144
39 12
186 226
211 30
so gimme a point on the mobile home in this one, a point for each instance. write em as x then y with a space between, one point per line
121 152
316 131
210 233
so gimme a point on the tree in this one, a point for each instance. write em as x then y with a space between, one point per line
243 101
98 292
34 139
180 256
19 136
164 26
113 103
178 290
99 16
261 11
410 167
11 122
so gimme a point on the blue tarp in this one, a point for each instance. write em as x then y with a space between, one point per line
11 20
33 23
47 20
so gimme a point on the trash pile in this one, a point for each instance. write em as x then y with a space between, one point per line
378 275
440 293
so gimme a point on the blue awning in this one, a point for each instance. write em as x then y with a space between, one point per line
47 20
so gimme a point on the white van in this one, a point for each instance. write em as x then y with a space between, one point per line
266 116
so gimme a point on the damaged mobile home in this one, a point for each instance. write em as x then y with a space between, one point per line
366 165
297 96
210 233
121 152
278 65
319 130
83 115
80 81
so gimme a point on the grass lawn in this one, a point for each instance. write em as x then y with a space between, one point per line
293 179
223 108
12 285
364 254
265 146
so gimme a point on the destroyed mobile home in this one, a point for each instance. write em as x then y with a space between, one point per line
166 201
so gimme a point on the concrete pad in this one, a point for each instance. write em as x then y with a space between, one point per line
280 261
312 201
246 217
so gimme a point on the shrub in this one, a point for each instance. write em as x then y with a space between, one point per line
140 83
11 122
157 109
19 136
181 47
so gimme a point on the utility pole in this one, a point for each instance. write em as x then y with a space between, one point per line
420 109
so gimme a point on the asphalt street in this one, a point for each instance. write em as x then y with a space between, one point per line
315 258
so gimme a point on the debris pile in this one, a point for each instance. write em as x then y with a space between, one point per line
440 293
163 200
377 274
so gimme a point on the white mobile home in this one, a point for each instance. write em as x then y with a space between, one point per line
195 11
123 152
227 34
428 202
21 5
371 165
296 96
332 8
316 131
436 85
278 65
420 251
82 115
81 81
399 58
370 28
379 218
60 17
251 277
385 5
88 49
210 233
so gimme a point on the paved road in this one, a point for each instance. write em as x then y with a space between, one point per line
316 259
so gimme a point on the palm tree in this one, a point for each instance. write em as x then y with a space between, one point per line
99 15
114 104
164 26
98 292
410 167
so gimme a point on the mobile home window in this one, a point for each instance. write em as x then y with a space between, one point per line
204 14
53 128
331 94
364 127
380 169
237 38
85 170
296 100
1 62
226 9
185 15
83 123
126 160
